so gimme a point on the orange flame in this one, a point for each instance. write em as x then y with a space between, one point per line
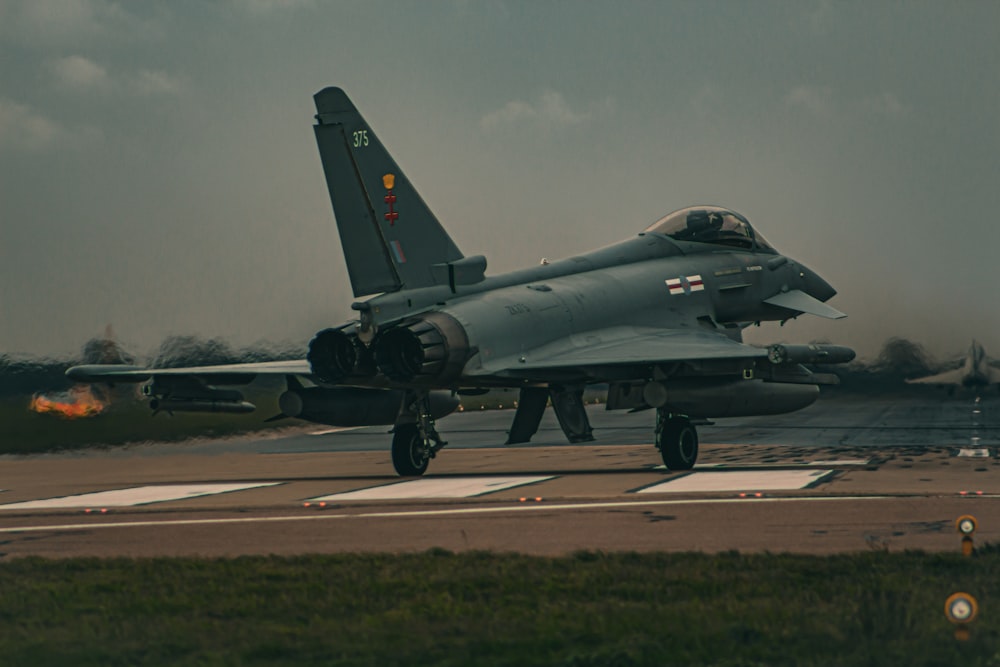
83 403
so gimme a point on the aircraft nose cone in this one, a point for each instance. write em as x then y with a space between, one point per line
815 286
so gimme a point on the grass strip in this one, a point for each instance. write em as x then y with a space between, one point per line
440 608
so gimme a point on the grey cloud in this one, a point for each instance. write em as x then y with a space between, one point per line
267 6
80 73
551 108
885 104
822 102
22 128
157 82
815 17
54 22
817 100
41 19
188 197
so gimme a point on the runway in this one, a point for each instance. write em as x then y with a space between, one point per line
846 474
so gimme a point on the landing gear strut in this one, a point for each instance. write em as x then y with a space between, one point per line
415 441
677 440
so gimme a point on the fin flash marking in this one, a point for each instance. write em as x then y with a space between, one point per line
389 180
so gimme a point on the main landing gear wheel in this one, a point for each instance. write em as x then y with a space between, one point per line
677 441
410 454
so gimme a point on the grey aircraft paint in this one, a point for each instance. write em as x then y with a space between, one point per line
657 317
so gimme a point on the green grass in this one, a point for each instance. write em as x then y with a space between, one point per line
439 608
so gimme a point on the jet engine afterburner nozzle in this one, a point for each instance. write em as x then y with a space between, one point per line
332 355
432 347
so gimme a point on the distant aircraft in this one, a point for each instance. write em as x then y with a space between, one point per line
976 372
657 317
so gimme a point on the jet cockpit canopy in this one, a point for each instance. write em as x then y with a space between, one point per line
710 224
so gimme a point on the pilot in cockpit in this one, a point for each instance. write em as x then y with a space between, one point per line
700 220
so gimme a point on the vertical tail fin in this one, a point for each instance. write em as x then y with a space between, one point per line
391 239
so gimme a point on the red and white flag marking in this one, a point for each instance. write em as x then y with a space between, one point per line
685 284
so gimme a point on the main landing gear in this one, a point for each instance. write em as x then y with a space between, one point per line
677 440
415 441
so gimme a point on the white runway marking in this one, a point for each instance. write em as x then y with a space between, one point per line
139 495
770 480
461 487
841 462
838 463
980 453
339 429
507 509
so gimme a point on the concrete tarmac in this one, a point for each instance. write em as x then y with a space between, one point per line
846 474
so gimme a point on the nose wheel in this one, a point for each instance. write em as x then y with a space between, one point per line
677 440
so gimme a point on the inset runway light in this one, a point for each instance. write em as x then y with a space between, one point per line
538 499
306 504
104 510
87 511
522 499
322 503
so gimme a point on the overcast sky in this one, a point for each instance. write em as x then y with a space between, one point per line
158 169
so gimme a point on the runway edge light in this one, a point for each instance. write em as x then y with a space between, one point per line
966 526
961 609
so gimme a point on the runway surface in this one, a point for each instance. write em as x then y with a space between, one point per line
846 474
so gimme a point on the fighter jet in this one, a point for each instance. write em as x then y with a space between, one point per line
976 372
657 317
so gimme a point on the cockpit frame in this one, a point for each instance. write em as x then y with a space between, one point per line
713 225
